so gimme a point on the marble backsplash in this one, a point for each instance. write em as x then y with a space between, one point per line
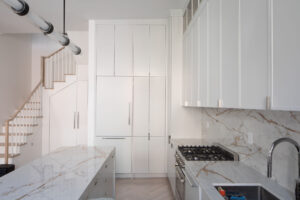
251 133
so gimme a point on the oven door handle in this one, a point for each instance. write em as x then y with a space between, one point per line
189 179
180 175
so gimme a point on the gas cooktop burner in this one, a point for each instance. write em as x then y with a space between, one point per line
206 153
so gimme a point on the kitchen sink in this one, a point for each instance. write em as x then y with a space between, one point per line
251 192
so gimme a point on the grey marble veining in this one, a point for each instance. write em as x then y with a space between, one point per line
62 175
208 174
251 133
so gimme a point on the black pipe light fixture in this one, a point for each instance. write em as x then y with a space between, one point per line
21 8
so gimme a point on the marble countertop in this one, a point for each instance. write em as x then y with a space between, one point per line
61 175
208 174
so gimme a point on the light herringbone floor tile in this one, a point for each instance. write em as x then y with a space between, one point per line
143 189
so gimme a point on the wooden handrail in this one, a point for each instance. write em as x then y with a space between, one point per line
52 54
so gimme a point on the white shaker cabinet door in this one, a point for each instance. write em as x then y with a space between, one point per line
82 107
203 58
141 50
214 53
230 54
105 42
286 59
194 64
140 150
157 106
158 47
187 69
123 151
157 162
63 124
123 50
114 106
141 106
254 54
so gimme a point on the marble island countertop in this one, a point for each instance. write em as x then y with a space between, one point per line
64 174
208 174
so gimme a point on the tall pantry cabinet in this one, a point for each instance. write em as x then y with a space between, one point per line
130 61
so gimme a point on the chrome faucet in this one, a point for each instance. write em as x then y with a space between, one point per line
274 144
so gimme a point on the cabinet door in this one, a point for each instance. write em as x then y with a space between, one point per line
203 58
123 50
286 57
62 124
141 49
123 151
105 42
187 69
254 54
82 107
194 64
214 53
140 152
114 106
158 49
141 106
157 106
230 54
157 162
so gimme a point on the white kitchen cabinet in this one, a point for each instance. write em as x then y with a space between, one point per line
230 65
114 106
286 59
203 58
123 151
140 152
187 69
105 47
123 50
254 54
141 49
157 106
194 64
68 116
214 73
157 161
141 106
158 50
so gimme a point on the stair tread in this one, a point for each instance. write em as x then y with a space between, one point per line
28 125
16 134
2 144
29 117
2 155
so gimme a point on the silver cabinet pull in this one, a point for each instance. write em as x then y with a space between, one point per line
77 120
149 136
129 113
74 123
113 138
268 103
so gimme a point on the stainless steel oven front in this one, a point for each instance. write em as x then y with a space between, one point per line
180 177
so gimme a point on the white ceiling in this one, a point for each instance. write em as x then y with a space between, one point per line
80 11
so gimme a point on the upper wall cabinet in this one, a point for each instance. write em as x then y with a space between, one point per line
131 49
123 50
105 44
254 54
243 59
286 57
158 53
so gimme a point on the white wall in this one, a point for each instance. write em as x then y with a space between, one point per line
15 72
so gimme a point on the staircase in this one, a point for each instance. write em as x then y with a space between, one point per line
24 123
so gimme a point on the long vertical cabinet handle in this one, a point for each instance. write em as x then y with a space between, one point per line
129 113
74 122
78 120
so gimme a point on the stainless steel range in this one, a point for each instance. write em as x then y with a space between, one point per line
215 152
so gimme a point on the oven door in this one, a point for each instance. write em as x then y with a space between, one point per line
180 183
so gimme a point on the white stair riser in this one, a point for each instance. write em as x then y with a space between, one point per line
12 149
10 160
14 139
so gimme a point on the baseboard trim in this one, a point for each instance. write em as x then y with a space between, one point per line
146 175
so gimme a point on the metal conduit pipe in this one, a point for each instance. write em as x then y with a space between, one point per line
21 8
